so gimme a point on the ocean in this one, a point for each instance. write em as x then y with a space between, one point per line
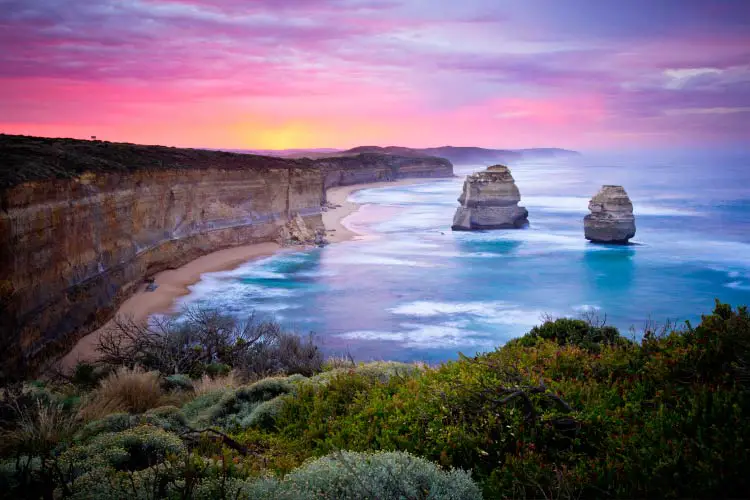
415 290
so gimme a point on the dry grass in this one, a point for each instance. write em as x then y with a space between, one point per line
39 428
131 390
208 384
334 362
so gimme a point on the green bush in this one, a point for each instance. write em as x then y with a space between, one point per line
567 331
87 375
233 409
380 371
116 422
178 382
217 369
198 411
568 411
358 476
132 449
264 415
168 418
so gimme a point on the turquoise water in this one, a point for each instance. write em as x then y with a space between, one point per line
415 290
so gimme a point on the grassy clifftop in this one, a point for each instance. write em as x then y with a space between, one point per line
25 159
570 410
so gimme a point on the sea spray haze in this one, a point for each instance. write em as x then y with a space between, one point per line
415 290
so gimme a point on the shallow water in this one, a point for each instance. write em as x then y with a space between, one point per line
417 290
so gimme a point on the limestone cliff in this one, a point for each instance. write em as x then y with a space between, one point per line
374 167
82 223
489 200
611 219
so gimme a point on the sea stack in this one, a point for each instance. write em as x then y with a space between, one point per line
611 219
490 201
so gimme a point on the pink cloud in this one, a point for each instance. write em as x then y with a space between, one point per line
341 72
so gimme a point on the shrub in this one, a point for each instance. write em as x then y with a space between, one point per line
203 341
198 411
380 371
88 375
218 369
169 418
356 476
132 449
567 331
719 347
235 408
38 433
264 415
131 390
115 422
38 430
178 382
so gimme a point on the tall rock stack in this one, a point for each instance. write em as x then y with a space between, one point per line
490 201
611 219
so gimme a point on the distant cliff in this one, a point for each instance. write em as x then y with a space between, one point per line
460 155
82 223
373 167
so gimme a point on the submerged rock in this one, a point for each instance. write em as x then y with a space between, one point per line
611 219
490 201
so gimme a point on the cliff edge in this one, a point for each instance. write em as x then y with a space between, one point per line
83 223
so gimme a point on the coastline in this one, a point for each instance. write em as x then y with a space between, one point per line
175 283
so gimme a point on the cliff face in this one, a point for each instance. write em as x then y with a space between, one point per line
611 219
374 167
73 250
489 200
83 223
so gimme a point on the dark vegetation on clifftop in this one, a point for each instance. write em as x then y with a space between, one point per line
28 159
572 409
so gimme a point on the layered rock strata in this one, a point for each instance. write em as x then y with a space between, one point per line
83 223
374 167
611 219
489 200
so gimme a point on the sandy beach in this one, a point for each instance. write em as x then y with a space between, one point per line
174 284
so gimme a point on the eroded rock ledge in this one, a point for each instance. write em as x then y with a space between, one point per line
611 219
83 223
489 200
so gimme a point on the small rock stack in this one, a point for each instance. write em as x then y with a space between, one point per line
490 201
611 219
296 232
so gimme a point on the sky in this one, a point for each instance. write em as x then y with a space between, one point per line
277 74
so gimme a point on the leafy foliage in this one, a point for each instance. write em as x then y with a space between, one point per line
355 476
570 410
578 332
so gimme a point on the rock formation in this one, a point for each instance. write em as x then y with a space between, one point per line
297 232
490 201
82 223
611 219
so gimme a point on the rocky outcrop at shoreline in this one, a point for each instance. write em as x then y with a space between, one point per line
83 223
490 201
611 219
